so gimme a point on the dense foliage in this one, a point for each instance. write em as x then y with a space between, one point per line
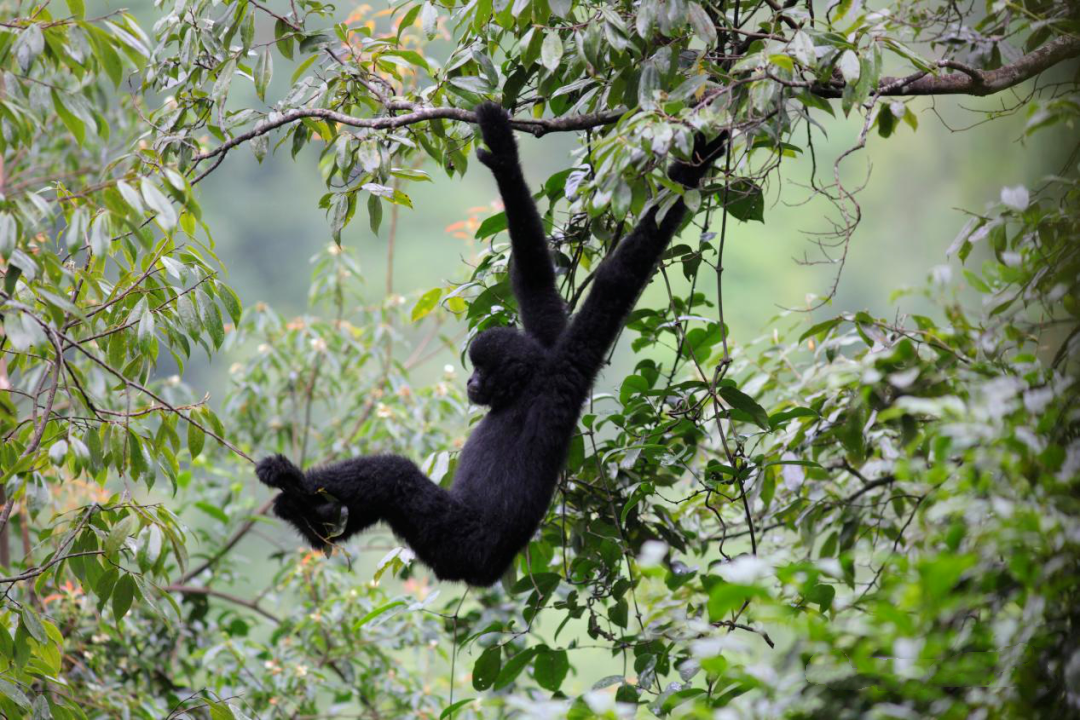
849 516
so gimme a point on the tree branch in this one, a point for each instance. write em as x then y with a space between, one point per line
537 127
192 590
230 543
968 80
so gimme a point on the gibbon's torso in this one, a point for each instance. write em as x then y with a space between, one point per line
525 446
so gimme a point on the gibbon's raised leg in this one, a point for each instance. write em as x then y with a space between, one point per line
532 274
621 278
446 535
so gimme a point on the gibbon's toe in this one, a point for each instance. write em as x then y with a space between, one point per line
277 471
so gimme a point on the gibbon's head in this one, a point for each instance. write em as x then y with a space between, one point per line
504 359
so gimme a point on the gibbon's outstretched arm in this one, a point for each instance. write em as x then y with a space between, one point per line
622 276
543 312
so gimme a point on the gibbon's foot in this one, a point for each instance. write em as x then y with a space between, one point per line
318 521
278 472
316 515
498 136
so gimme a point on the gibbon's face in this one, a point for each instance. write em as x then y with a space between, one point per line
504 360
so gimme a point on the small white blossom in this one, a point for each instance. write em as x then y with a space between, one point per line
652 553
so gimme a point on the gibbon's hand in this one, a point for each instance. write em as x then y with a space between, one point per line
498 135
277 471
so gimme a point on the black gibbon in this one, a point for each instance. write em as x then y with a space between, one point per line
534 380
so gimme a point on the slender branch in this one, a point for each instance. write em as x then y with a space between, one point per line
731 625
192 590
229 544
537 127
120 376
39 431
38 570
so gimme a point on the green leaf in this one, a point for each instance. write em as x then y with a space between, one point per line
221 711
409 18
339 216
409 174
264 71
744 201
117 535
77 8
13 693
196 438
212 320
9 234
58 451
220 91
451 710
213 511
849 66
492 225
23 331
648 86
231 302
551 51
260 145
100 240
28 46
375 212
821 328
156 201
376 613
429 20
426 304
725 597
71 122
189 315
702 24
247 29
802 49
513 668
741 401
561 7
33 625
486 669
146 332
122 596
106 54
550 668
75 234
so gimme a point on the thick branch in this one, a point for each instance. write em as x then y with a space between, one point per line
970 81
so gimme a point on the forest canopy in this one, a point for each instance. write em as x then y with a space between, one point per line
843 514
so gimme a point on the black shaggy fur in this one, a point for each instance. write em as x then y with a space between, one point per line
534 380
